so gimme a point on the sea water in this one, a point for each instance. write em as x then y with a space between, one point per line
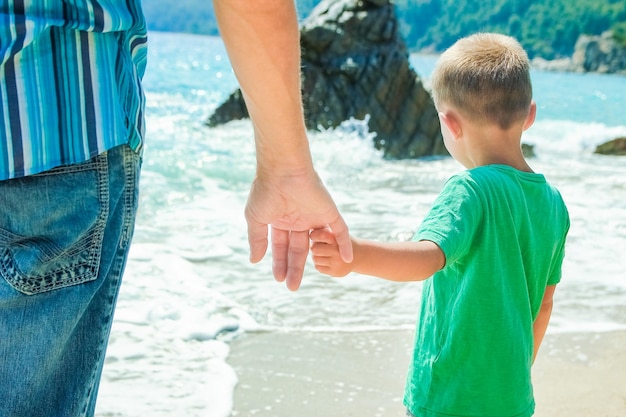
189 286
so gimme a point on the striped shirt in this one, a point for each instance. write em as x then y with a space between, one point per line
70 81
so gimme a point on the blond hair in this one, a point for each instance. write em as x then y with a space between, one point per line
486 78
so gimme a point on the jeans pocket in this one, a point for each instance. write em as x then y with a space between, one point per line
52 226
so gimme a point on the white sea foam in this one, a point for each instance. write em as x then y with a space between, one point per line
166 354
570 137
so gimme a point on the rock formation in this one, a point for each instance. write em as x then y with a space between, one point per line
599 54
354 64
591 54
613 147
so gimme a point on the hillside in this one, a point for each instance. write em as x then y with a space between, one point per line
546 28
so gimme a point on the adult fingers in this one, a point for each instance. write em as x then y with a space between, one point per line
280 253
257 240
298 251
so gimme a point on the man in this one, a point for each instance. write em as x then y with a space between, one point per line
71 133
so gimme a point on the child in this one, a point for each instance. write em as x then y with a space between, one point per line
494 241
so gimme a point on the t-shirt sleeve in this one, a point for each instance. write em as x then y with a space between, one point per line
453 219
555 273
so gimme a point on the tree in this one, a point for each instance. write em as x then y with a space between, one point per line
546 28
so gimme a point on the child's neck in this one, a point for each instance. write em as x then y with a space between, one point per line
516 162
492 145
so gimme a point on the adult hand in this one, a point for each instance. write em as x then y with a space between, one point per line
293 204
263 43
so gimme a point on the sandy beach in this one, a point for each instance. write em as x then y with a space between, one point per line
362 374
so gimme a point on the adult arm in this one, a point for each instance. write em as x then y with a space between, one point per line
394 261
543 318
263 43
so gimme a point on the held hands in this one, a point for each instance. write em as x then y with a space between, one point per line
263 43
326 254
292 205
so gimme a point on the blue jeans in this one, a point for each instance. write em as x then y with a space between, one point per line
64 239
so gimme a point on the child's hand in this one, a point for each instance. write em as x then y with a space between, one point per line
326 254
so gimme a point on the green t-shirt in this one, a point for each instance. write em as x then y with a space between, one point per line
503 234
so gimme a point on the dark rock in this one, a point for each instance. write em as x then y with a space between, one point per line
354 64
234 108
528 150
613 147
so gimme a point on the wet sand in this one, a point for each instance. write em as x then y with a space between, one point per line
362 374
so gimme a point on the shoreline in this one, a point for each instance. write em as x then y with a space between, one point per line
362 374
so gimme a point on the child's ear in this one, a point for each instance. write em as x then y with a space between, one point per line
532 113
451 122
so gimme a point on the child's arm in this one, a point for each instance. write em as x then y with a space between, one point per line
395 261
541 322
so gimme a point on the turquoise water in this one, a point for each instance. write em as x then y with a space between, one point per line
189 278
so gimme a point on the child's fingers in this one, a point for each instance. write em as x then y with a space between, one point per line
330 270
324 269
322 236
320 260
320 249
342 236
324 255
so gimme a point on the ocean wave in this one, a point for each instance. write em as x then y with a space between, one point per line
566 136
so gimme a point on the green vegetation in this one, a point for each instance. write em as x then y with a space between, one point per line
546 28
619 33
